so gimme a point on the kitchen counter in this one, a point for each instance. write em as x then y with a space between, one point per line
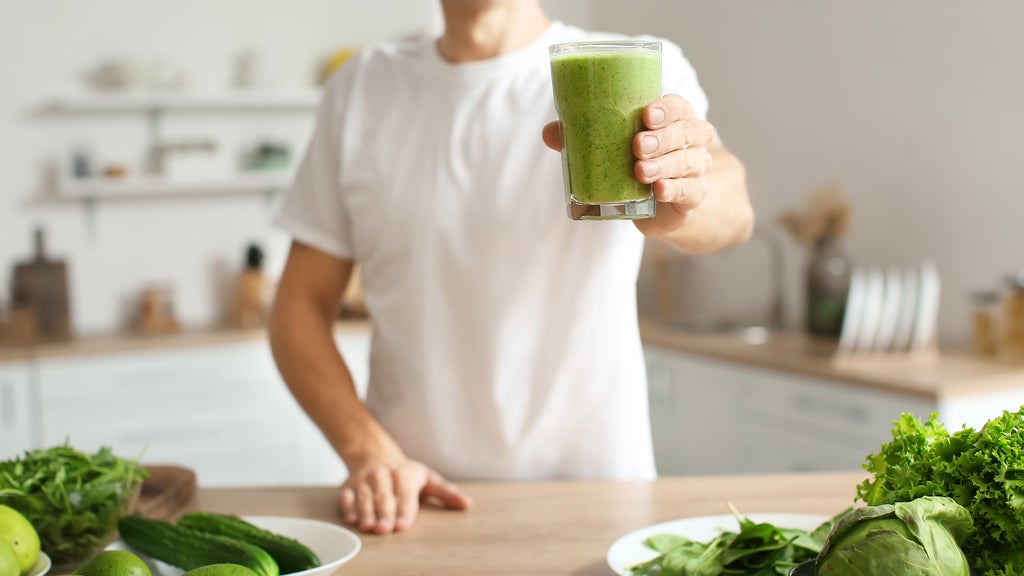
562 528
933 376
129 342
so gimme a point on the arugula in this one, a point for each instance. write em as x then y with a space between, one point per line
757 549
72 499
982 470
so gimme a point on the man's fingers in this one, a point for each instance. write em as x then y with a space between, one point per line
687 193
692 133
364 506
678 164
666 110
347 504
448 493
407 492
552 135
383 501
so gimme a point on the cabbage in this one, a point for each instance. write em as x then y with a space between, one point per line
917 538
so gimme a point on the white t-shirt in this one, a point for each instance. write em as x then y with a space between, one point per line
505 342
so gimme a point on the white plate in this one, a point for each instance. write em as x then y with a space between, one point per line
854 310
632 547
333 544
874 292
41 567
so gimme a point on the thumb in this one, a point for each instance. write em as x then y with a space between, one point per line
552 135
448 493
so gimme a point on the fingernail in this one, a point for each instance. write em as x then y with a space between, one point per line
649 169
657 115
648 144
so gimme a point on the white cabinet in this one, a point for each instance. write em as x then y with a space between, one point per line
219 409
16 409
713 417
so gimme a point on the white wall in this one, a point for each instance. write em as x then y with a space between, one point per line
191 245
914 106
45 46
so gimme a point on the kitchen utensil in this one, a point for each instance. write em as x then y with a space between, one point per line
41 285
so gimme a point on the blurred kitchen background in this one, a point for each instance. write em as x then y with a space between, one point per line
144 146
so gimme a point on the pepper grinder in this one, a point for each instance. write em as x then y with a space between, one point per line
249 305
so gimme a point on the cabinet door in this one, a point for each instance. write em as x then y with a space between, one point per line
694 421
221 410
16 409
727 418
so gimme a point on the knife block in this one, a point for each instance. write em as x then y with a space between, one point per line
41 286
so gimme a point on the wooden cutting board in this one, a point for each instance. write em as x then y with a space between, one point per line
41 285
166 493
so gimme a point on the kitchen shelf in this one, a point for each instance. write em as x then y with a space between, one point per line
142 188
302 100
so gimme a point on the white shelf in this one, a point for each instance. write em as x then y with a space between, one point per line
136 102
142 188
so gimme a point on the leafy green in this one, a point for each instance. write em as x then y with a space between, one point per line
982 470
917 538
756 549
73 499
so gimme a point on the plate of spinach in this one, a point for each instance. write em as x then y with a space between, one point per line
722 544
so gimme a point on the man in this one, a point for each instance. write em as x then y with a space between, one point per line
505 339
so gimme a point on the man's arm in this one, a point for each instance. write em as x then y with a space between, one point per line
383 489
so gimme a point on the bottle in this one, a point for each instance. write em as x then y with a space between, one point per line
827 283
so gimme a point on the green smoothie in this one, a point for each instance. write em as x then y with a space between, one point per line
600 93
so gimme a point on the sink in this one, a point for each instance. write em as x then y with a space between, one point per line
751 334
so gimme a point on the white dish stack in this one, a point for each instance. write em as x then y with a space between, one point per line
892 310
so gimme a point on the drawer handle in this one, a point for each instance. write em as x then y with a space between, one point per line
833 409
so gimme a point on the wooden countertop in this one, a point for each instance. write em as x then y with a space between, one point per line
528 528
935 375
128 342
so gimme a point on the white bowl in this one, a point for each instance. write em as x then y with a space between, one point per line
42 565
333 544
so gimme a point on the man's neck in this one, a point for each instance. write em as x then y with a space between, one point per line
481 29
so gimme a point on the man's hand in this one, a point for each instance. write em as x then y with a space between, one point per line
675 155
383 498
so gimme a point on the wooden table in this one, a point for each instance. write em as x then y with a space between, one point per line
543 528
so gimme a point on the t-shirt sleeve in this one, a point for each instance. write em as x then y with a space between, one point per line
679 77
314 211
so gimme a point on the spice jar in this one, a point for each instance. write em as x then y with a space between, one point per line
984 334
1013 317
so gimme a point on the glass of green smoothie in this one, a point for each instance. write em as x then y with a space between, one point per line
601 89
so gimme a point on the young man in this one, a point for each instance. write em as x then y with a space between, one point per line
505 339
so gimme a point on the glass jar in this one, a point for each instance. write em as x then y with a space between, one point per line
984 313
827 283
1013 317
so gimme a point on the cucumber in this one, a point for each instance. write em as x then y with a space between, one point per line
189 549
291 555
